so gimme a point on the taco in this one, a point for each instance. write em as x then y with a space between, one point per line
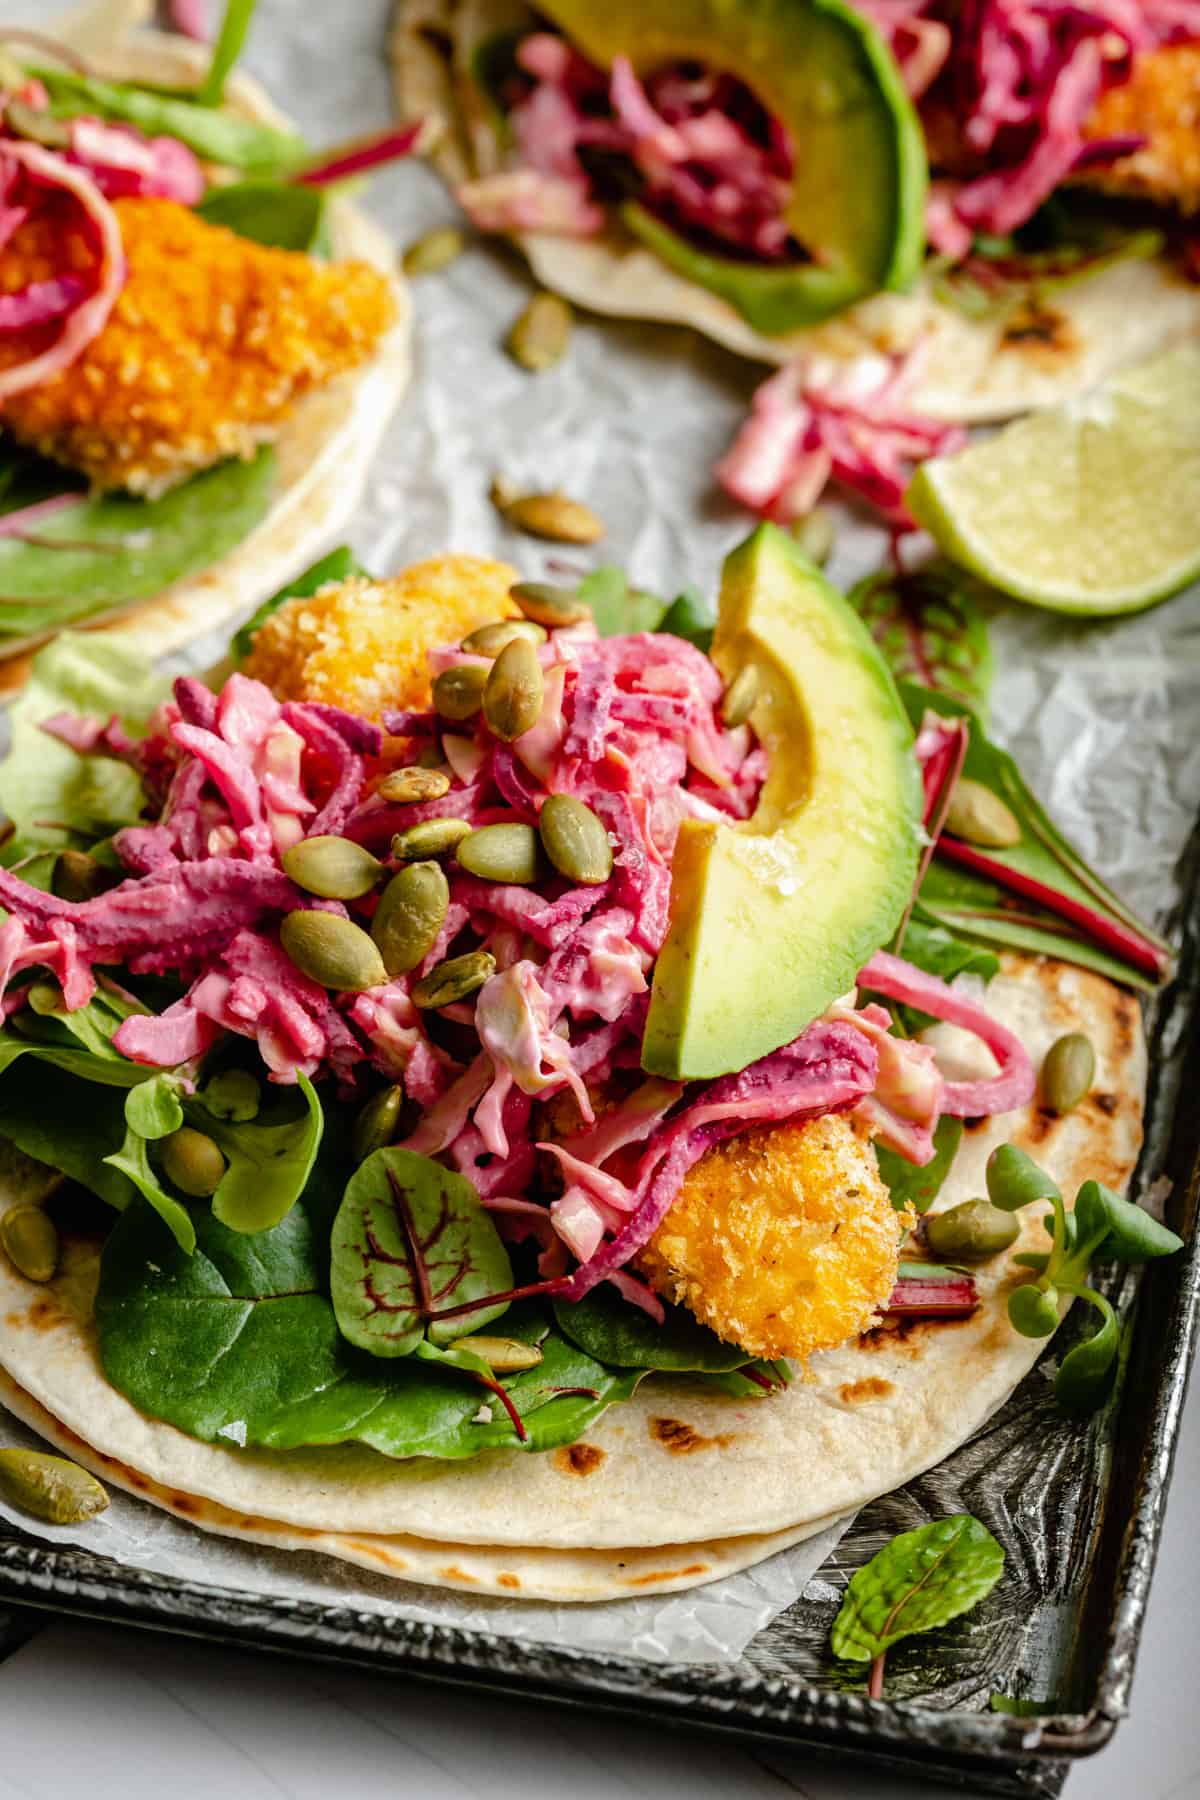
202 344
487 1135
1006 187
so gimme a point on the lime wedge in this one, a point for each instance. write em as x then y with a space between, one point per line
1091 507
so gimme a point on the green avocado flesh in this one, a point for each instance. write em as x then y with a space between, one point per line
772 919
858 199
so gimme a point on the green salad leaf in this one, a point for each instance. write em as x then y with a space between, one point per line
920 1187
235 24
338 565
72 1124
106 551
284 214
613 1331
411 1238
617 607
54 797
270 1157
79 1043
691 615
931 627
226 138
152 1112
919 1581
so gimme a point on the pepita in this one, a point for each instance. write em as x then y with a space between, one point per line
50 1487
333 951
737 703
549 606
540 336
508 853
193 1162
78 876
512 699
815 534
971 1231
458 692
503 1356
454 979
38 124
556 517
233 1094
411 912
434 250
980 817
44 998
30 1242
575 840
491 639
1068 1072
375 1125
432 837
336 868
403 786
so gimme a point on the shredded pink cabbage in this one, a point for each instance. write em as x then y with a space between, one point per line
813 422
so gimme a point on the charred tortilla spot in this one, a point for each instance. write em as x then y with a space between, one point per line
1106 1103
681 1440
872 1387
454 1573
1041 1124
659 1575
1038 329
508 1581
183 1503
46 1315
578 1459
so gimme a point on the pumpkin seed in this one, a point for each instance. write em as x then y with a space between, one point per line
405 785
30 1242
549 606
554 516
503 1356
38 124
375 1125
431 758
233 1094
333 951
45 998
50 1487
540 336
815 534
502 493
979 816
432 837
502 853
1068 1072
434 250
738 700
458 692
490 640
78 876
336 868
411 912
193 1162
512 699
454 979
971 1231
575 840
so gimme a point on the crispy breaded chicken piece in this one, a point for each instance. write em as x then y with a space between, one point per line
1160 102
211 341
362 644
783 1240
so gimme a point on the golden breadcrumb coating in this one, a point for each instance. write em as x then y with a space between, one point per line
211 341
362 644
783 1240
1160 102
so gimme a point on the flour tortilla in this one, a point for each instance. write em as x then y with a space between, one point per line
324 449
677 1464
975 370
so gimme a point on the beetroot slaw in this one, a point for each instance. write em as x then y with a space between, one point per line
629 725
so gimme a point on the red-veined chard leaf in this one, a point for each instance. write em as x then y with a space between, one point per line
919 1581
930 625
410 1240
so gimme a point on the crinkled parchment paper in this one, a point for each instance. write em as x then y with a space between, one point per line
1103 717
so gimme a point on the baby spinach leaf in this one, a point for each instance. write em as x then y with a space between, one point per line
73 1125
338 565
613 1331
270 1157
235 24
114 548
411 1238
239 1343
920 1580
79 1042
133 1161
693 616
224 138
979 905
930 625
919 1188
617 607
287 215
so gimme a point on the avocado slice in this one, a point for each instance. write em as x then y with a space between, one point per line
858 200
771 919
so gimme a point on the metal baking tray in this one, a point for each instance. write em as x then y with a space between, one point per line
1079 1509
